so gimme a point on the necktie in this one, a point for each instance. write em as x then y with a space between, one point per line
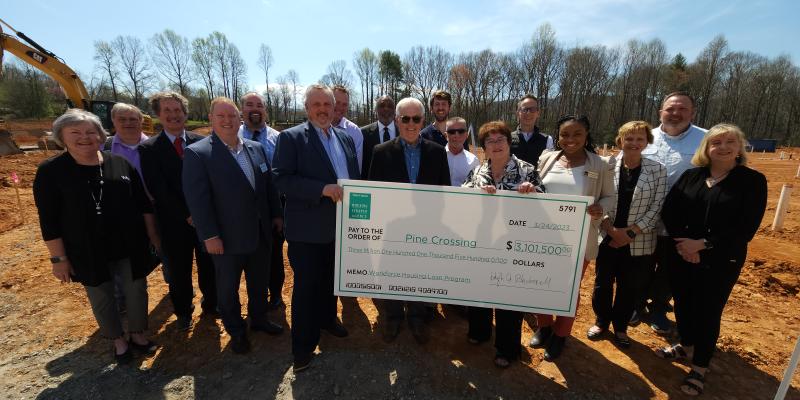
255 134
178 143
386 137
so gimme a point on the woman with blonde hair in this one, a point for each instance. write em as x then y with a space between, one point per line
711 212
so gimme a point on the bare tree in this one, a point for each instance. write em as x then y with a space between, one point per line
286 95
135 65
204 64
710 64
238 72
218 45
338 74
542 62
426 69
107 61
294 79
265 62
171 56
366 64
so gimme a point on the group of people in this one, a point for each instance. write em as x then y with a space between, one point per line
673 212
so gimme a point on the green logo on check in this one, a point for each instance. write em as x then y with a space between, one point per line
360 204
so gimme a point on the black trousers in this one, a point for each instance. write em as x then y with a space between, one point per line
179 244
657 286
629 273
398 310
313 302
701 292
508 329
276 272
229 268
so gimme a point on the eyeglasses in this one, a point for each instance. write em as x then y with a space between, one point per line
406 119
498 141
528 110
456 131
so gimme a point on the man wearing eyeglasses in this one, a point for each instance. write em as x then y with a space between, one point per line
408 158
460 160
527 142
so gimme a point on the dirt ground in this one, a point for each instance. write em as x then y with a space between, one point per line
50 347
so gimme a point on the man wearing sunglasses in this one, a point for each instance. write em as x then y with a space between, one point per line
460 160
408 158
528 142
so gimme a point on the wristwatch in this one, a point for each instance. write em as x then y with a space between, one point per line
708 244
631 233
58 259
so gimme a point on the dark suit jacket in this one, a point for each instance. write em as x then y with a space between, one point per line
301 169
161 169
372 138
389 163
220 197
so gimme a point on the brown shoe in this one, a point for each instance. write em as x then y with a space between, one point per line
390 331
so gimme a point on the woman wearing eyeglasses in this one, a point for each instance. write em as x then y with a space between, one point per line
574 168
503 171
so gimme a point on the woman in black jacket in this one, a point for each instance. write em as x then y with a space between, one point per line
712 212
97 222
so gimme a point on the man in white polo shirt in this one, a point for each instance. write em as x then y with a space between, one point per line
460 160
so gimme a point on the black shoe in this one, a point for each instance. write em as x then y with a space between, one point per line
302 362
270 328
541 337
336 329
148 348
420 331
554 347
184 323
275 303
240 344
391 330
124 358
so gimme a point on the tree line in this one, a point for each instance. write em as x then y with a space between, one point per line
611 85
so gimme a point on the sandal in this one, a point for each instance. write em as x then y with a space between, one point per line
596 332
676 352
693 384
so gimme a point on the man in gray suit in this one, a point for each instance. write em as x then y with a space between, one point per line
229 191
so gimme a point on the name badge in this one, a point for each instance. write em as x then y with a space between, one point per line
591 174
263 167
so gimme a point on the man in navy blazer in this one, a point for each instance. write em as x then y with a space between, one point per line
408 158
308 160
234 205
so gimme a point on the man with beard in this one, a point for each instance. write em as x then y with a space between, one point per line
380 131
340 121
309 158
674 144
440 103
254 127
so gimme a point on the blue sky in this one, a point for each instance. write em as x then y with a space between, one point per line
309 35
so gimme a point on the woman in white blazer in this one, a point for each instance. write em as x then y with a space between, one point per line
629 233
573 168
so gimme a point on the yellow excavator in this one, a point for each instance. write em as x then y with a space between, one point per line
52 65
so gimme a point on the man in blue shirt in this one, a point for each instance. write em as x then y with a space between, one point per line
440 103
309 159
674 144
254 127
408 158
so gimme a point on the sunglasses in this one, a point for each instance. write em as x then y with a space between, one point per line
406 119
456 131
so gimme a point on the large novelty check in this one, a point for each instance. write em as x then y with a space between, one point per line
461 246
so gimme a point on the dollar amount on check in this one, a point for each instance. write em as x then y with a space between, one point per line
461 246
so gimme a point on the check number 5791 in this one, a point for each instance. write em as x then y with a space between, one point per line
567 208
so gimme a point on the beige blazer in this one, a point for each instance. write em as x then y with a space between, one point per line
599 185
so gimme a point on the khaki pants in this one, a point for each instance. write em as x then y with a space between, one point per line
104 304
